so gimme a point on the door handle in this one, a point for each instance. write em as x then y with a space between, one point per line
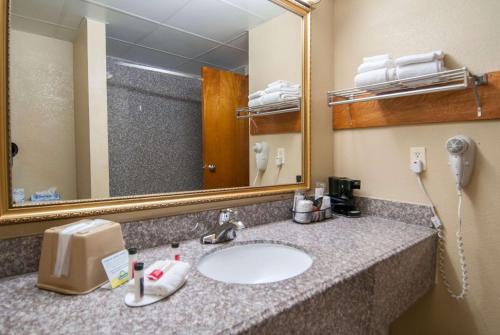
211 167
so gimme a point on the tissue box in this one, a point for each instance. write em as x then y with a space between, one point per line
87 249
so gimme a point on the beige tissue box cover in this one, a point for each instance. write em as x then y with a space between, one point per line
86 272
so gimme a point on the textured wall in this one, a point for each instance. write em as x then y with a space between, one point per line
41 113
469 33
154 132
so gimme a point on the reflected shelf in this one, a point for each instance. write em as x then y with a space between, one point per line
288 106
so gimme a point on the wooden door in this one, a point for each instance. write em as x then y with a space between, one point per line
225 138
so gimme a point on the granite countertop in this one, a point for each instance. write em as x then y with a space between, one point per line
341 249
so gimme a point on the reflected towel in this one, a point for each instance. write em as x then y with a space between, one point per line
256 95
278 97
285 89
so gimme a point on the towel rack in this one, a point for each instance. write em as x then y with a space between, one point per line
287 106
440 82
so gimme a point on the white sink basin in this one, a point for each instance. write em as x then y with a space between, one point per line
254 263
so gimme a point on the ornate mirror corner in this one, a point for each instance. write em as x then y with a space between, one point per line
160 125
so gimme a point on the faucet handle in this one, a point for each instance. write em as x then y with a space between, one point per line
226 215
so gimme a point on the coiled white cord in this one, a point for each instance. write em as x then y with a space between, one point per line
442 245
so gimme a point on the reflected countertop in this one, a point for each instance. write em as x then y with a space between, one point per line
365 273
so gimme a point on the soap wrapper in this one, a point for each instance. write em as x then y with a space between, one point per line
116 268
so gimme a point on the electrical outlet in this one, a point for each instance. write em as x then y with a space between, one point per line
418 154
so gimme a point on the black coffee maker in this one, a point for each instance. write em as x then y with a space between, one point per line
342 197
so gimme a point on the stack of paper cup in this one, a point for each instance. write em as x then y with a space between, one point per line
303 211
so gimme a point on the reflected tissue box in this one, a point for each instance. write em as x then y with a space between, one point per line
70 262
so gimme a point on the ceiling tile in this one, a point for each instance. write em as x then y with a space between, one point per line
214 19
158 10
65 34
116 48
225 57
240 42
178 42
32 26
191 67
47 10
263 8
152 57
120 26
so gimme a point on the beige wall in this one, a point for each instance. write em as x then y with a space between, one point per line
468 32
275 52
91 113
41 113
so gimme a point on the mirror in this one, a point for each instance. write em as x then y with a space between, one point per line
120 98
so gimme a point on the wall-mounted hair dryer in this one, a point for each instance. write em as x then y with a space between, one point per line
461 152
261 150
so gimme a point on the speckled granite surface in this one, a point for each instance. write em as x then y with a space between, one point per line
365 272
21 255
401 211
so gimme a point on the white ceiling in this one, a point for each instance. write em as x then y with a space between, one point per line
181 35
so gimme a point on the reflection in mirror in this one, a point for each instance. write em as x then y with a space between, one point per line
113 98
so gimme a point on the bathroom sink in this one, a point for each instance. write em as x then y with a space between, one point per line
255 263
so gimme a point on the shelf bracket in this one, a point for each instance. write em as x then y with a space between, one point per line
478 81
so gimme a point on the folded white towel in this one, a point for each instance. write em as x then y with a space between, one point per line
420 58
376 58
170 282
255 102
375 65
372 77
278 97
286 89
419 69
280 83
256 95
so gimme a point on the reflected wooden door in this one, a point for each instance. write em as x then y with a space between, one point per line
225 138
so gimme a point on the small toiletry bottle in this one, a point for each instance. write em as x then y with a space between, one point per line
132 259
138 281
176 251
319 191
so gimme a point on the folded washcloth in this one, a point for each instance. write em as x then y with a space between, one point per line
285 89
376 58
171 280
373 77
420 58
375 65
419 69
278 97
256 95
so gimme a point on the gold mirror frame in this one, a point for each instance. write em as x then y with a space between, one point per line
81 208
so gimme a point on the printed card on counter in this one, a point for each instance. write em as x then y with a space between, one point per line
116 268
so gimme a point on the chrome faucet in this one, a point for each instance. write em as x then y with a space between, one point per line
225 231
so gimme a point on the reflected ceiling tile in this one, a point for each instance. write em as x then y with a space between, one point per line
191 67
240 42
158 10
47 10
214 19
226 57
116 48
65 34
32 26
264 8
152 57
175 41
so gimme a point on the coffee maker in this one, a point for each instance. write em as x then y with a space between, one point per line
342 197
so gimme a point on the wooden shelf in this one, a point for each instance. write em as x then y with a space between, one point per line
448 106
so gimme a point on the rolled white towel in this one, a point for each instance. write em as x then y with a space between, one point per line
376 58
420 58
372 77
419 69
287 89
278 97
375 65
256 95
